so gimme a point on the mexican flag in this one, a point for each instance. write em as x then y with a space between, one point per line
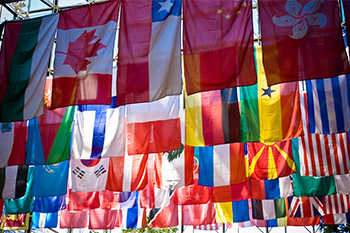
24 61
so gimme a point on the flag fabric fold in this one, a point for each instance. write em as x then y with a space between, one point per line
73 219
271 189
24 59
44 220
269 209
13 181
229 212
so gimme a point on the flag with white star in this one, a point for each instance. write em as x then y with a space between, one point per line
149 59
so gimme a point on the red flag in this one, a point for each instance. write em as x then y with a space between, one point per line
294 33
110 200
73 219
128 173
201 214
310 221
164 217
336 204
15 222
230 193
102 219
218 44
79 201
84 49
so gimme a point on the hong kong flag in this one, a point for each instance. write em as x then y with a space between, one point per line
301 39
84 52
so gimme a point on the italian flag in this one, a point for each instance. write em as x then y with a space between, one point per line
24 61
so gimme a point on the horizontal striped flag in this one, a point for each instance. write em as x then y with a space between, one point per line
128 173
229 212
269 113
154 126
149 56
212 118
222 165
173 173
13 143
89 175
324 155
13 181
24 59
336 204
98 132
328 104
338 219
270 160
271 189
269 209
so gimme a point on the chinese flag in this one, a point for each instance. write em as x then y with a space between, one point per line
301 40
218 44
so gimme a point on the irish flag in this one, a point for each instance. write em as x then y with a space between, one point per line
24 60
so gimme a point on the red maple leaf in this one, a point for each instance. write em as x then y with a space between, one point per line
82 48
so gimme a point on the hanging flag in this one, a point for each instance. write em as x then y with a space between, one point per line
49 204
13 181
300 207
230 193
23 204
110 200
336 219
269 209
328 105
218 44
153 127
102 219
98 131
342 183
346 9
212 118
128 173
149 56
44 175
24 59
13 143
73 219
271 189
173 173
80 201
222 165
164 217
49 137
270 160
294 32
15 222
311 221
44 220
336 204
269 113
229 212
83 58
201 214
208 227
134 217
89 175
323 155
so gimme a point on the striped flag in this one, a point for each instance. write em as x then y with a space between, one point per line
134 217
173 173
324 155
328 104
89 175
44 220
336 204
271 189
24 59
208 227
153 127
229 212
270 160
212 118
269 209
222 165
110 200
269 113
128 173
12 143
149 56
338 219
98 131
301 207
13 181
